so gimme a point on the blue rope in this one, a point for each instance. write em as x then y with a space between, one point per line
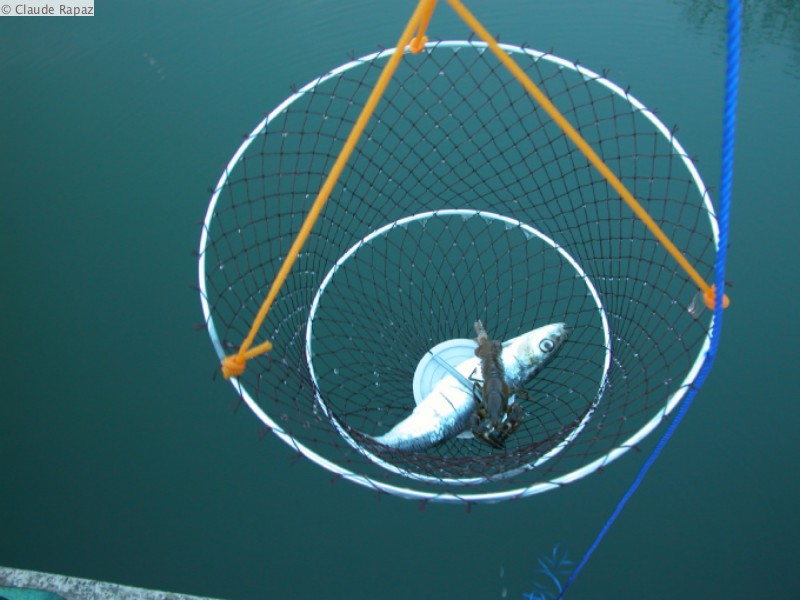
726 184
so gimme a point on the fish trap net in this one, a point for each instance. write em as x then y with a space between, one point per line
463 200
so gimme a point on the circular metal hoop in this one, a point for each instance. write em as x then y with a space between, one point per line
459 147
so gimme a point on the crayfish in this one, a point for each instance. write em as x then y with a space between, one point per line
494 418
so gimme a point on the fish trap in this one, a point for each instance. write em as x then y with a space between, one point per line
462 200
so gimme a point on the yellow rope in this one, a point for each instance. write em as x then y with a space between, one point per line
418 43
234 365
583 146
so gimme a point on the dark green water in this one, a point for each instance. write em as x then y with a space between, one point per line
121 459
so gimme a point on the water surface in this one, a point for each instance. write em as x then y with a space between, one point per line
122 458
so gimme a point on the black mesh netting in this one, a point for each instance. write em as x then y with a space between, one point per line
462 201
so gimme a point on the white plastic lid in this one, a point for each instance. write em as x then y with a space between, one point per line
430 371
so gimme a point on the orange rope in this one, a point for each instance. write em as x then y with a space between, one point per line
583 146
419 41
234 365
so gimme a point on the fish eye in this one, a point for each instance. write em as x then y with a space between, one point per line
546 345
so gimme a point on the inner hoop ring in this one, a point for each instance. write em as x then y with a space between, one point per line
509 224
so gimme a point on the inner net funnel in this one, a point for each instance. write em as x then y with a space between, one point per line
462 201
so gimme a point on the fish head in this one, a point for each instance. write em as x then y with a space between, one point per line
549 339
525 355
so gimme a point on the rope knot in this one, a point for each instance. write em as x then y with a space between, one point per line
709 297
233 366
417 44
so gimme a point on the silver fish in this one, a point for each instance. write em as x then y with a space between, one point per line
446 411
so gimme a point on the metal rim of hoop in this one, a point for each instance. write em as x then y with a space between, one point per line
508 223
405 492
